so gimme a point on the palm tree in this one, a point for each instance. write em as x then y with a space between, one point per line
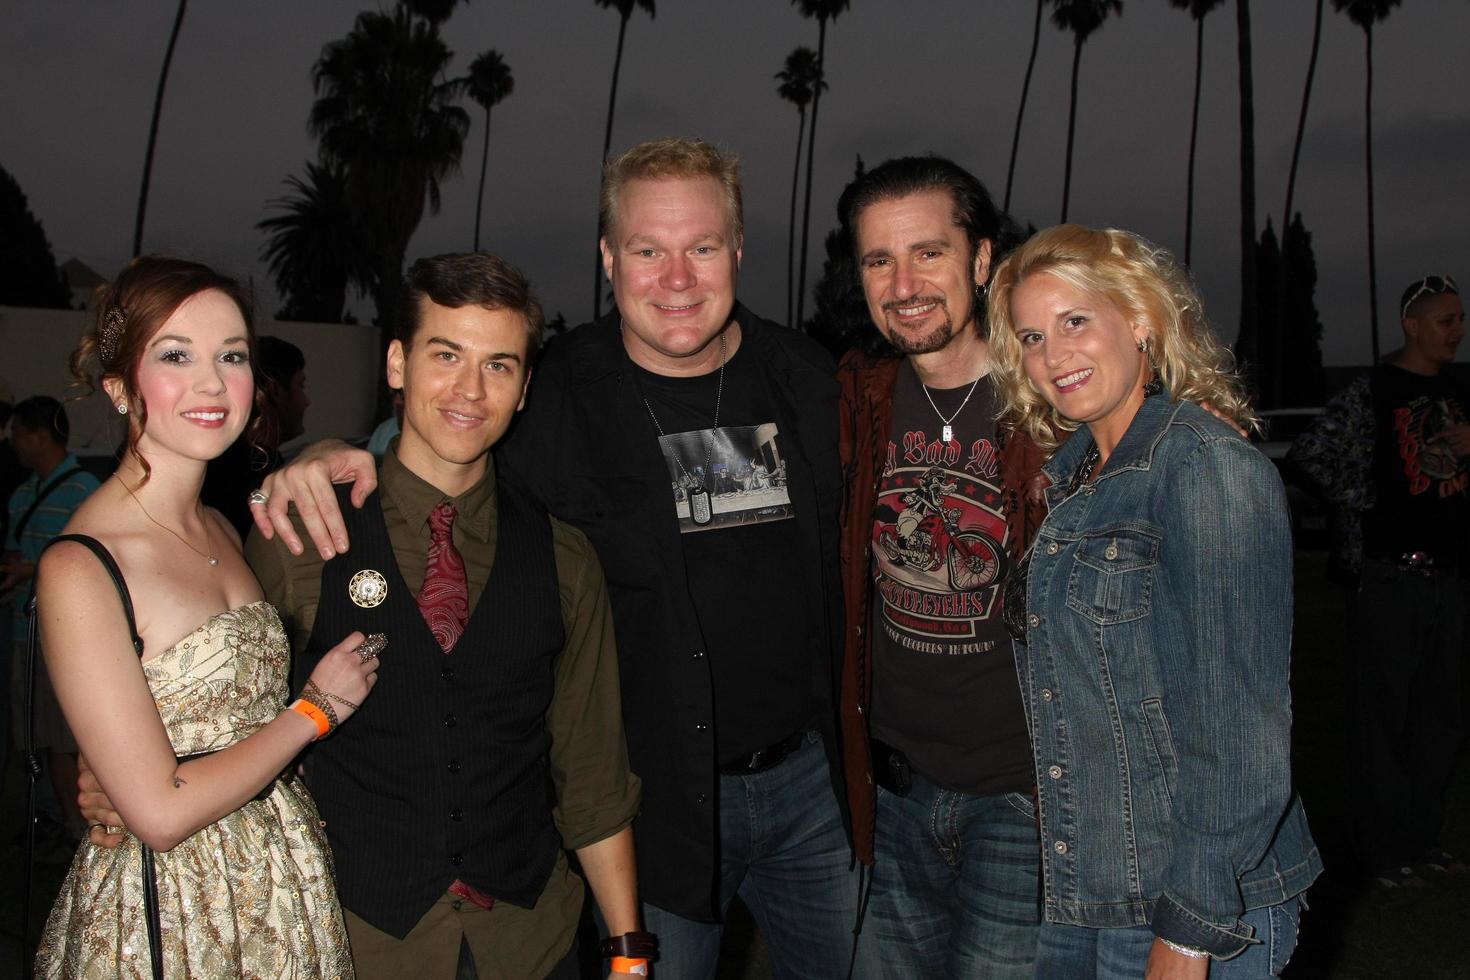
1082 18
625 10
489 84
314 250
1301 121
799 80
1021 112
386 115
823 11
1366 13
168 58
1246 340
1198 9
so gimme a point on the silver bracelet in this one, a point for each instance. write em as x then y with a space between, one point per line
1190 951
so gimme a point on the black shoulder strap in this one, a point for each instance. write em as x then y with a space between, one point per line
45 492
105 557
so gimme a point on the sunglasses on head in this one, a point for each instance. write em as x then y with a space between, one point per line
1429 285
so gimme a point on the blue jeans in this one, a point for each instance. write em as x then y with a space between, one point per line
784 852
956 885
1080 953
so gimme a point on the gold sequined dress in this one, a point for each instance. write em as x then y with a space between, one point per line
251 895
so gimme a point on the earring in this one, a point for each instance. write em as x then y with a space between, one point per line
1142 344
122 408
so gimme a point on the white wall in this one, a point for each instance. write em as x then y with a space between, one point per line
341 372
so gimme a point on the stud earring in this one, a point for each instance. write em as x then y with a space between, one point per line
122 408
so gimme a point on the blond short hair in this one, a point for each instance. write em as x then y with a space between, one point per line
1148 286
671 158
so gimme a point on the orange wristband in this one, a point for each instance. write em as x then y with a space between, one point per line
317 716
628 964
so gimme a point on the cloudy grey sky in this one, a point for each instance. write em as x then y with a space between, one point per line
77 80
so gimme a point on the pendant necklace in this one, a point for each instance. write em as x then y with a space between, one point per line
701 512
948 430
213 561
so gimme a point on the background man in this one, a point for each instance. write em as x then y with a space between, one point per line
726 606
1390 453
933 518
38 511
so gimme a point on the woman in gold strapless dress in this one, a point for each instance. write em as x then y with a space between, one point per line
185 659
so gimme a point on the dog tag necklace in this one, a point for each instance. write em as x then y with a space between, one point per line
701 512
948 431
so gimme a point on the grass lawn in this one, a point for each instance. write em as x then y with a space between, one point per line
1350 933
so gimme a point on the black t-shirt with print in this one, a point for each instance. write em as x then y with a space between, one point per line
743 579
1420 485
945 689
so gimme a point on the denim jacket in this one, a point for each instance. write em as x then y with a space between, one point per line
1154 671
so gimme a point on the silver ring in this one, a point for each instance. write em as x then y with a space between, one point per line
258 498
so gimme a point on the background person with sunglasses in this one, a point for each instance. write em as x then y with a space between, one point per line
1392 453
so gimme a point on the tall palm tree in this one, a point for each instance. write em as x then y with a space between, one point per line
168 58
314 250
1082 18
1301 120
1021 112
489 83
1198 9
386 114
625 9
823 11
1247 341
799 80
1366 13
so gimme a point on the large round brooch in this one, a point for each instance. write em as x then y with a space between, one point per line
368 588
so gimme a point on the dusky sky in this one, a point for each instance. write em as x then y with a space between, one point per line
77 80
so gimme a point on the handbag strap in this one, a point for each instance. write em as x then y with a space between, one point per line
33 764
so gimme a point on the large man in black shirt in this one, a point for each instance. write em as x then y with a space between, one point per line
646 430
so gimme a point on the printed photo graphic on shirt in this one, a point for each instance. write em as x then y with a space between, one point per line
745 482
1421 429
939 544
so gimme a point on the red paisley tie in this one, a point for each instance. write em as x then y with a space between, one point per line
445 599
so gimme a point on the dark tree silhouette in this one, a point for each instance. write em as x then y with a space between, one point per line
314 249
1082 18
799 81
1367 13
1199 10
28 273
822 11
1021 112
168 58
1246 340
625 10
1301 120
840 320
386 115
489 84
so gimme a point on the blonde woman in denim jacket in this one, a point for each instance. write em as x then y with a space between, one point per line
1153 618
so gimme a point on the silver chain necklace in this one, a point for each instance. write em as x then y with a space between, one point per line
948 432
700 510
213 561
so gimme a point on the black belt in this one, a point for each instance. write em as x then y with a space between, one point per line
762 759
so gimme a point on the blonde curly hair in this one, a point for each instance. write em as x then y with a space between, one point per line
1147 286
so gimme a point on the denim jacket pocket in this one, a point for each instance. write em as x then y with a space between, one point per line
1162 759
1112 576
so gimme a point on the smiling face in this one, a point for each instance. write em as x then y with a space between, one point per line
1081 353
194 380
672 261
917 270
463 379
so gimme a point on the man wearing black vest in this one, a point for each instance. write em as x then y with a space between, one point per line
496 741
649 430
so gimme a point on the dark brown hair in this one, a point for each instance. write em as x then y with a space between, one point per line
127 313
468 279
